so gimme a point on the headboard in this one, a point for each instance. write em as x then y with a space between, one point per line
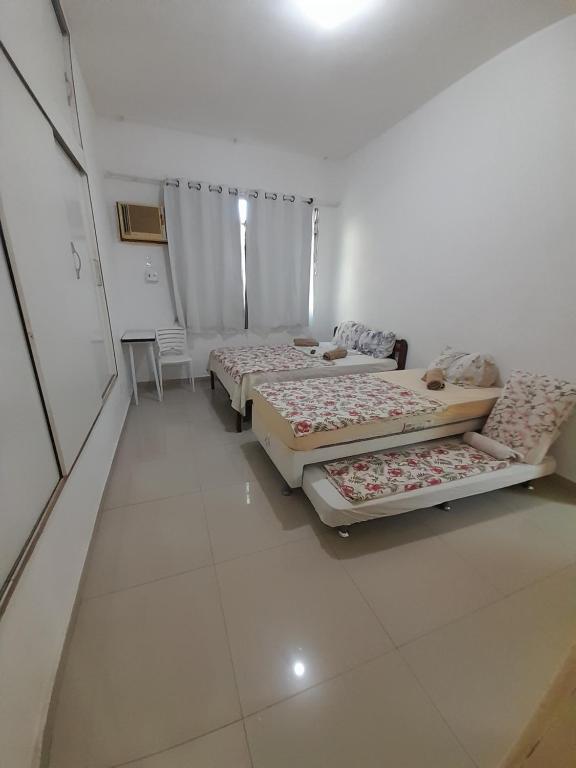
399 353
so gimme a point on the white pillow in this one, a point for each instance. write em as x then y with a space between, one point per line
491 447
466 369
348 334
380 344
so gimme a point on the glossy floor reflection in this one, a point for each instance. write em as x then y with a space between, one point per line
221 625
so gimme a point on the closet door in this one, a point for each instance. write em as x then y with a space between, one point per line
28 467
32 35
51 277
88 290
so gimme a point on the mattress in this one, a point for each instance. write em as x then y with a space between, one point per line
460 404
398 470
334 510
243 391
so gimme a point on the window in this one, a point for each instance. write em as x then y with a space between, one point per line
313 264
243 213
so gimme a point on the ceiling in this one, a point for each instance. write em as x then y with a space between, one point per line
260 71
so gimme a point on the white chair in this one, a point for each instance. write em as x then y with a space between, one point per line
173 349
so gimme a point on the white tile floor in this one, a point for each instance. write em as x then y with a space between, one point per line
222 626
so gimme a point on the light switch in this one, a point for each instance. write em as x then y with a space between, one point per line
151 276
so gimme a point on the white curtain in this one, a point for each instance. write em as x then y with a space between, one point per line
203 230
278 252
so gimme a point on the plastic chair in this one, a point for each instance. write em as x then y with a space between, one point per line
172 346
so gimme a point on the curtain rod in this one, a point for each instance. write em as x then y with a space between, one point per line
175 182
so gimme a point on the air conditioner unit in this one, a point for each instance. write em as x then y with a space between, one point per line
141 223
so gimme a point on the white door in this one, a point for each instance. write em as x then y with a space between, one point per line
51 285
34 40
28 469
89 290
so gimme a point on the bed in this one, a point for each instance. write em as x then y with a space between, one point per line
336 511
411 448
400 419
241 369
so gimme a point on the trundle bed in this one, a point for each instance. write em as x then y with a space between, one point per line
364 447
451 411
241 369
336 511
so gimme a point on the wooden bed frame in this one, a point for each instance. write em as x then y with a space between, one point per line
399 353
239 417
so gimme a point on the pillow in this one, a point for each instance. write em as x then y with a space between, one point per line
348 334
466 369
529 412
377 343
488 445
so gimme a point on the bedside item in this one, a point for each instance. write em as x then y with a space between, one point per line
172 345
141 337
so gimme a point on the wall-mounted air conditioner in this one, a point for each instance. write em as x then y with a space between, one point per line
141 223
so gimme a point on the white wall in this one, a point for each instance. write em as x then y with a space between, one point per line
459 224
33 629
148 151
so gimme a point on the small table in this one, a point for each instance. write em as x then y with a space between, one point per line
141 337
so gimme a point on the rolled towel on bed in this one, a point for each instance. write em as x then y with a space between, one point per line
335 354
306 343
434 378
489 446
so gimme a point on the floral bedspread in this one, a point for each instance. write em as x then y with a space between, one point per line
322 405
382 474
240 361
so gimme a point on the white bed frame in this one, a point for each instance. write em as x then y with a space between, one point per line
291 463
337 512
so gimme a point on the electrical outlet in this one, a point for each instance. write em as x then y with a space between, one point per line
151 276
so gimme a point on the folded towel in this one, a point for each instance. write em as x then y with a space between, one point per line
489 446
335 354
434 378
305 343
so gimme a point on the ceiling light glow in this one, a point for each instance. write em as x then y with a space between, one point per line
330 14
299 669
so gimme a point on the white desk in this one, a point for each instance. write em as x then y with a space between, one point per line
141 337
